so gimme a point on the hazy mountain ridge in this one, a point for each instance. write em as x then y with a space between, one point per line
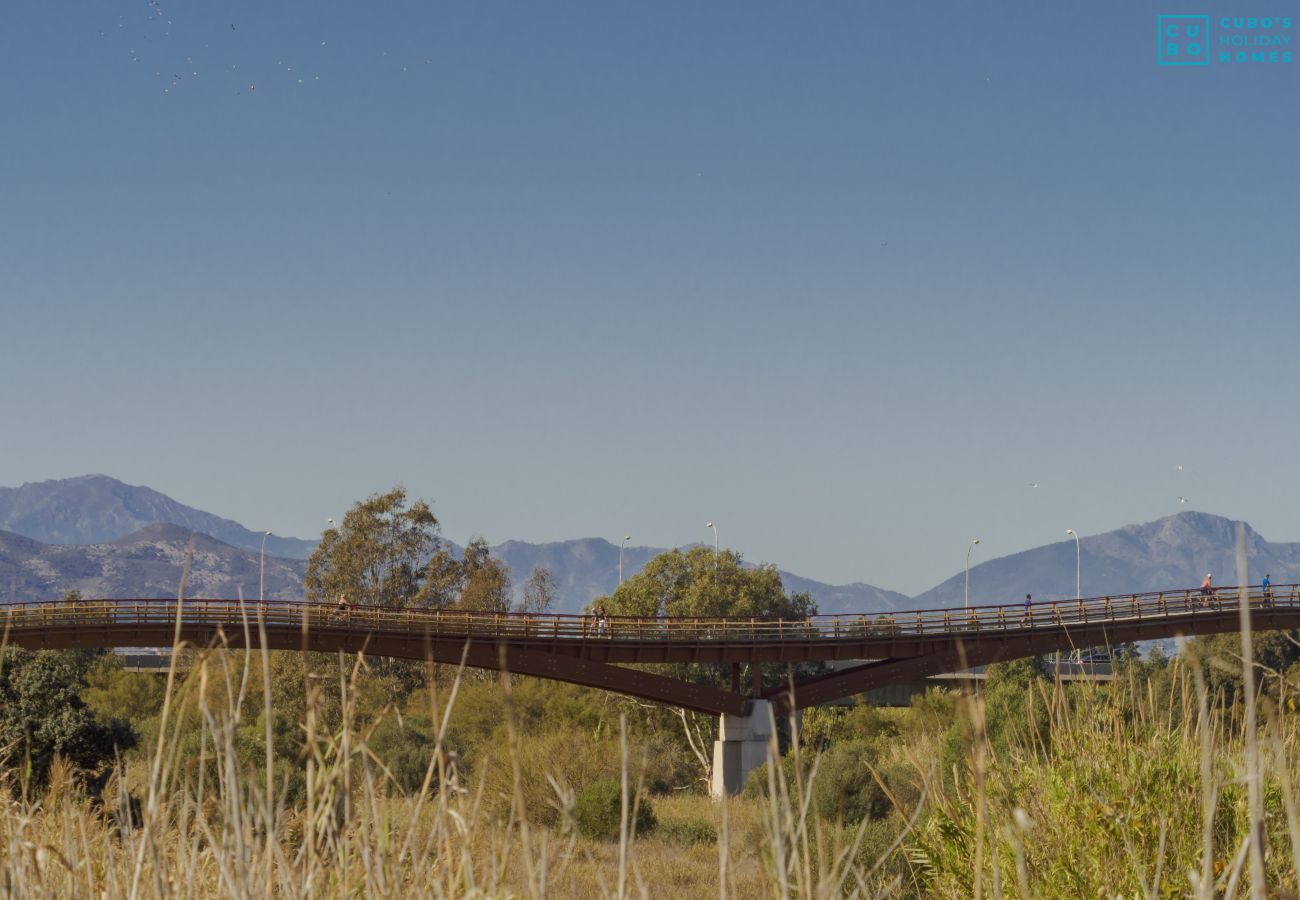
587 568
96 510
93 509
38 561
149 563
1174 552
146 564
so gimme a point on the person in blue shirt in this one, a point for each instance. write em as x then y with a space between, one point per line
1268 590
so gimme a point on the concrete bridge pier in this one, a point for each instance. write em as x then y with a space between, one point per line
743 745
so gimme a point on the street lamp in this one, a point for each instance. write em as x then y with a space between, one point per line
968 550
626 538
261 571
717 557
1078 564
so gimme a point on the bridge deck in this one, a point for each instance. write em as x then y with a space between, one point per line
903 645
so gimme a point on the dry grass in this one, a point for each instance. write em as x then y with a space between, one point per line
1146 798
171 825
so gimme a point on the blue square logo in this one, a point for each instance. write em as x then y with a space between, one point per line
1183 40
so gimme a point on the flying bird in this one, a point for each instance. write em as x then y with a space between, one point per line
1182 499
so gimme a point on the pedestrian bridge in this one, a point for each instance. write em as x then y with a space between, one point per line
899 647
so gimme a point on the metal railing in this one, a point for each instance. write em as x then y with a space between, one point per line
233 615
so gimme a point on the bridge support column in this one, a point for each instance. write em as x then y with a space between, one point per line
742 746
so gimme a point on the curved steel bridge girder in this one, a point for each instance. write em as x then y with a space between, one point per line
903 647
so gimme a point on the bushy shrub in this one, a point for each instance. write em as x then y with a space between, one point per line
845 790
757 785
598 812
563 759
687 831
669 765
824 726
905 784
406 749
878 838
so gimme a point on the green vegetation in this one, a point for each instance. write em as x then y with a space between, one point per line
43 715
602 809
1028 788
279 773
388 553
703 582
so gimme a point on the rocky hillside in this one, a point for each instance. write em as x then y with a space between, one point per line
110 539
147 563
93 509
1172 552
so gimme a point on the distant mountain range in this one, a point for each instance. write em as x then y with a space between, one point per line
1176 551
588 568
145 564
109 539
95 509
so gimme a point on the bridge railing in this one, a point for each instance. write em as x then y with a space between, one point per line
234 615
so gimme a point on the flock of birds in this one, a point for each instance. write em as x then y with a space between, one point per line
153 30
1181 500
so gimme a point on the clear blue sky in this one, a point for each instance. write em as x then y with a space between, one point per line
845 277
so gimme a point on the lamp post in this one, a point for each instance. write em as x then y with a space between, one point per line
626 538
717 554
1078 564
261 571
969 548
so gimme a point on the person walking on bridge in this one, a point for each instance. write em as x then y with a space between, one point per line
1268 590
1029 610
1207 589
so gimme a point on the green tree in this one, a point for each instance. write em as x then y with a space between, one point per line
485 582
698 582
379 556
701 583
114 693
1219 656
42 713
475 582
539 593
444 578
1013 704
